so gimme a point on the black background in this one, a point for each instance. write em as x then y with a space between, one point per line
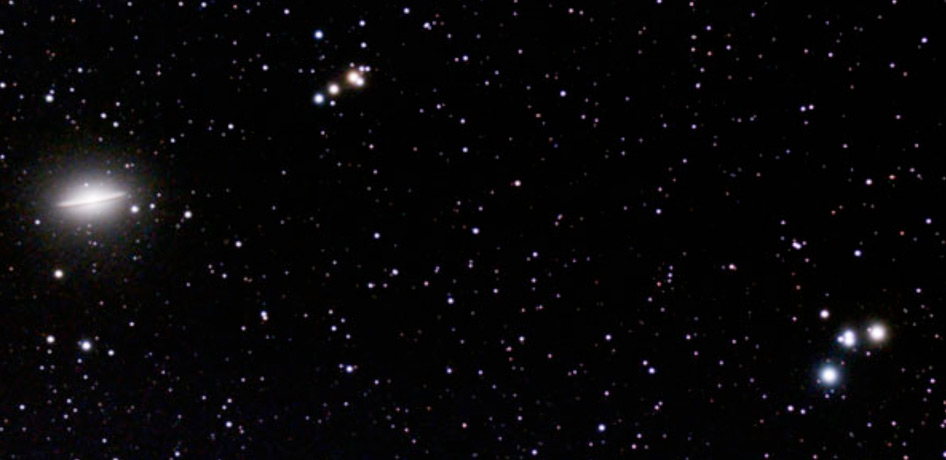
678 148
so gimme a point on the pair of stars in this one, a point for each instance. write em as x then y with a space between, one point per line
876 334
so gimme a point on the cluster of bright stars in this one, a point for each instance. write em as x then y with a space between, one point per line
84 345
354 78
875 334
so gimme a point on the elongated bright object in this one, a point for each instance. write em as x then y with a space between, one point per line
91 197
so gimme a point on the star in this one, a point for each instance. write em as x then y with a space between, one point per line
877 332
829 375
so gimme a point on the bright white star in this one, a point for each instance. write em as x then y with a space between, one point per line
829 375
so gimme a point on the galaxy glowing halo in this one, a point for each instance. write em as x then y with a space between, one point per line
90 199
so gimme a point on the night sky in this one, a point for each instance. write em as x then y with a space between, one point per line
478 229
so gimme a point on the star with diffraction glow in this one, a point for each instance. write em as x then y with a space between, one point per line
828 375
877 333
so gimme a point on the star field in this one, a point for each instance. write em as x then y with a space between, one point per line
511 230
